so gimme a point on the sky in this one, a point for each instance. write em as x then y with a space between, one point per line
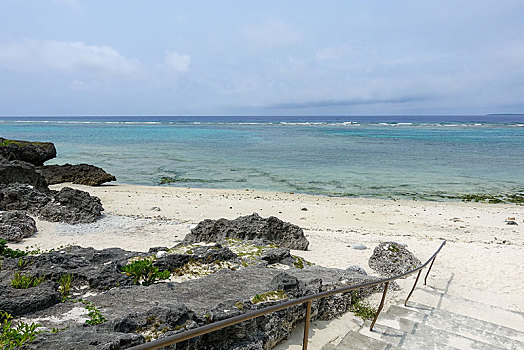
347 57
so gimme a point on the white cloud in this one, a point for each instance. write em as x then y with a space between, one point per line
68 56
177 62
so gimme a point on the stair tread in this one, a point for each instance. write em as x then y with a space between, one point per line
438 335
467 307
358 341
402 339
467 326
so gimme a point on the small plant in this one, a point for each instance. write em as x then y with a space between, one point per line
65 286
299 262
25 281
362 309
14 337
94 314
22 263
145 271
8 252
272 295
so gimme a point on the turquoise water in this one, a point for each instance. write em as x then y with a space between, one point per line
422 157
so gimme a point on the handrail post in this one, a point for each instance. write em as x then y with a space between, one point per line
306 325
412 289
380 306
430 266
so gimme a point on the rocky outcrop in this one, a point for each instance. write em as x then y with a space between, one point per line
82 174
391 259
14 226
20 172
24 197
72 206
250 227
134 314
35 153
67 205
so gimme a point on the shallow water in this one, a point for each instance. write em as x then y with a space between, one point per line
422 157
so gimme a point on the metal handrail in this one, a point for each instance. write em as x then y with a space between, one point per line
192 333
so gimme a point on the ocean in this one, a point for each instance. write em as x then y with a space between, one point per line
420 157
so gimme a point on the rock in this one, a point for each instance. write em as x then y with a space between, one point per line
155 209
24 301
249 227
511 222
35 153
135 313
20 172
359 247
278 255
72 206
391 259
16 196
356 269
82 174
15 226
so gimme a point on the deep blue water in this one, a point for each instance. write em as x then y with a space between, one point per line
388 156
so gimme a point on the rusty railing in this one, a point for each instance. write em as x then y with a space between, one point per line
192 333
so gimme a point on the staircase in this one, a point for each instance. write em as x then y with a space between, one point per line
441 319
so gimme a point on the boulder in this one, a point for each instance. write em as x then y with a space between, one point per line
15 225
250 227
82 174
72 206
391 259
35 153
19 302
20 172
17 196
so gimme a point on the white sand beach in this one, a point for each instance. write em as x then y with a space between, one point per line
483 251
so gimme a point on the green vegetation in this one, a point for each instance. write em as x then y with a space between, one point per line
14 337
25 281
144 270
197 268
362 309
299 262
7 252
64 286
153 328
95 317
272 295
515 198
6 142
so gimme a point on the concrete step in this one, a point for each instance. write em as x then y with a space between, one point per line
437 335
357 341
487 332
511 302
402 339
467 307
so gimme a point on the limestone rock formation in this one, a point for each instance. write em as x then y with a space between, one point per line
133 314
35 153
21 172
250 227
391 258
72 206
15 225
82 174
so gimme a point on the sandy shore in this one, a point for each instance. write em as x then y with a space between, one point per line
482 250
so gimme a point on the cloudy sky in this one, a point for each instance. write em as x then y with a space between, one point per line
347 57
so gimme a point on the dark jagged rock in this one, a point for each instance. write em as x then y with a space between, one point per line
21 172
82 174
24 197
14 226
19 302
390 259
35 153
86 338
250 227
72 206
